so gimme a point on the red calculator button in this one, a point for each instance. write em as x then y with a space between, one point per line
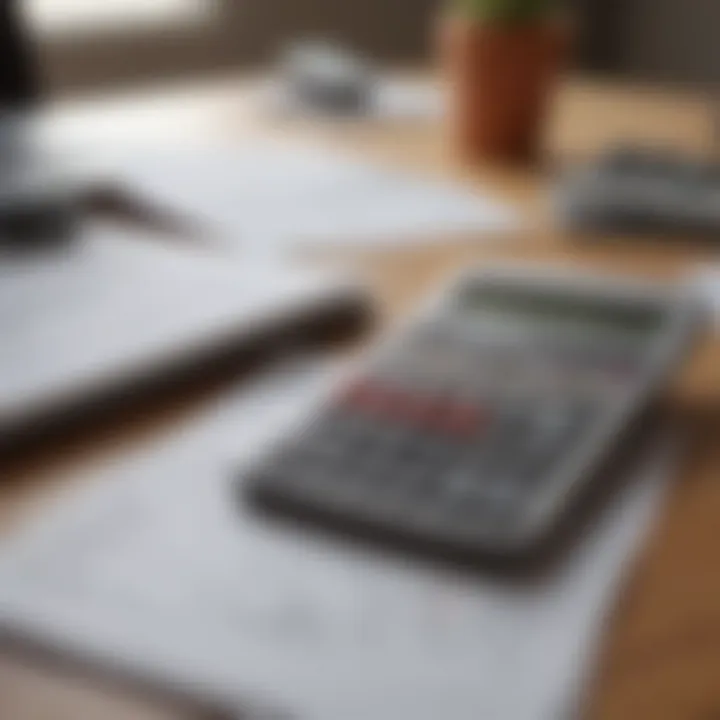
458 420
409 408
359 393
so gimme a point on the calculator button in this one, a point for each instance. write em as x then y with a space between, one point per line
435 452
418 410
446 418
407 482
354 429
555 418
460 420
462 484
565 422
501 493
366 395
416 471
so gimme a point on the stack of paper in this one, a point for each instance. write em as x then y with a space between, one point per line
160 571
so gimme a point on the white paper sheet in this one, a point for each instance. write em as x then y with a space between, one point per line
273 196
393 100
707 285
158 569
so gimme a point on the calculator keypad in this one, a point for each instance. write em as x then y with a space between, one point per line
447 433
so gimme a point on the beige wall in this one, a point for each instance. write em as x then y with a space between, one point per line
244 33
671 40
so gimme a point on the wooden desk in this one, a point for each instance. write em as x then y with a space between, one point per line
661 657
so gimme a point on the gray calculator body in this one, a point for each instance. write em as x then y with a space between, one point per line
477 426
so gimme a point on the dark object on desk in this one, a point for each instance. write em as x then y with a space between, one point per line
18 79
481 430
643 191
41 202
118 319
318 78
39 206
37 217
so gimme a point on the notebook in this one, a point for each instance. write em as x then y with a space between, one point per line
111 308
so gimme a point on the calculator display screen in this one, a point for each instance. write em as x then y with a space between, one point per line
637 319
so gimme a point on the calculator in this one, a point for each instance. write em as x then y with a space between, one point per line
478 427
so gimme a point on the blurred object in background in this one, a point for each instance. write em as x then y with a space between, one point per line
39 213
501 61
42 199
658 173
39 203
646 191
325 80
320 78
18 81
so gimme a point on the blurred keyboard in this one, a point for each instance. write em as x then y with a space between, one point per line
643 191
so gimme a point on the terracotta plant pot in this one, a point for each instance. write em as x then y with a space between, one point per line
500 78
